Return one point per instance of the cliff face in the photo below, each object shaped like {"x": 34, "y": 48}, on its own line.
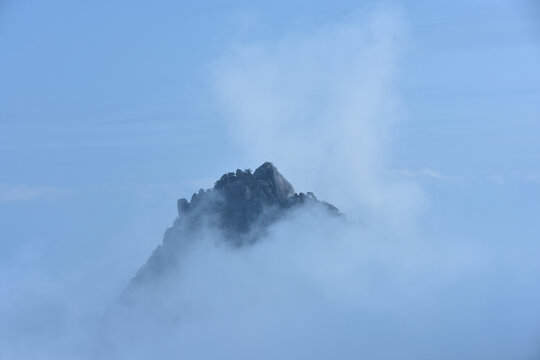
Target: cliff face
{"x": 238, "y": 209}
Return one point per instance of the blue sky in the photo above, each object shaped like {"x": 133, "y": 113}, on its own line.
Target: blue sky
{"x": 108, "y": 114}
{"x": 99, "y": 98}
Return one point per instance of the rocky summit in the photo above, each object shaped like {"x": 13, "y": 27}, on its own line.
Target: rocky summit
{"x": 238, "y": 210}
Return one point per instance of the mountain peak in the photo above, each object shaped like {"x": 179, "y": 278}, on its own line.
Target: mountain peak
{"x": 242, "y": 199}
{"x": 239, "y": 207}
{"x": 279, "y": 185}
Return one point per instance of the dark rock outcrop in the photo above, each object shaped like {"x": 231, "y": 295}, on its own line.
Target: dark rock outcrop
{"x": 239, "y": 208}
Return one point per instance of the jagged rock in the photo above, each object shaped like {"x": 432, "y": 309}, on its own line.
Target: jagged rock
{"x": 183, "y": 206}
{"x": 240, "y": 207}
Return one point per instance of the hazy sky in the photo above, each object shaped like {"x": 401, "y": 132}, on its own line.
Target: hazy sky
{"x": 108, "y": 109}
{"x": 111, "y": 110}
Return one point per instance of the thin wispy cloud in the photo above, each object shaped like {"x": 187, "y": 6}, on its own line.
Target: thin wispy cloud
{"x": 427, "y": 173}
{"x": 26, "y": 193}
{"x": 532, "y": 178}
{"x": 496, "y": 179}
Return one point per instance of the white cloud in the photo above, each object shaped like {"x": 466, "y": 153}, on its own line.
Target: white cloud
{"x": 318, "y": 288}
{"x": 25, "y": 193}
{"x": 322, "y": 107}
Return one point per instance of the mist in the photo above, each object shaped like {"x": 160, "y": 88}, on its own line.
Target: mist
{"x": 320, "y": 287}
{"x": 324, "y": 107}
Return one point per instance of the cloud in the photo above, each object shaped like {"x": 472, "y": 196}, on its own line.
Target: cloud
{"x": 24, "y": 193}
{"x": 322, "y": 106}
{"x": 532, "y": 178}
{"x": 428, "y": 173}
{"x": 316, "y": 287}
{"x": 496, "y": 179}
